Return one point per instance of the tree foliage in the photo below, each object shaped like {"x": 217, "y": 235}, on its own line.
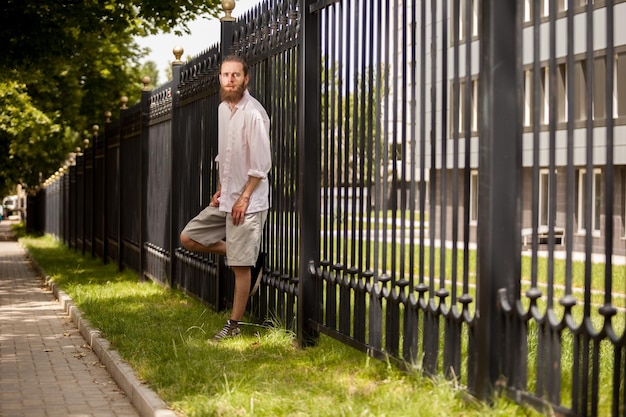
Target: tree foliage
{"x": 64, "y": 63}
{"x": 31, "y": 140}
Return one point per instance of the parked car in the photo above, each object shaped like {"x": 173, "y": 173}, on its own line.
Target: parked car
{"x": 13, "y": 208}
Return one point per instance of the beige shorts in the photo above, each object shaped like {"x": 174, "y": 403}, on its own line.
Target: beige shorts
{"x": 243, "y": 242}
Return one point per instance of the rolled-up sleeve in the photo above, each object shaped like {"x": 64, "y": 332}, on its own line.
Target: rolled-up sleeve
{"x": 260, "y": 151}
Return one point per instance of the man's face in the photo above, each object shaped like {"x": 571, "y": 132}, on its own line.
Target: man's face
{"x": 233, "y": 82}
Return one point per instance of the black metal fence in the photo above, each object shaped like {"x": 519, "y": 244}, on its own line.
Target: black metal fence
{"x": 432, "y": 201}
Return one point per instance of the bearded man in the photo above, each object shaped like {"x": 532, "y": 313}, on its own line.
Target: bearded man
{"x": 232, "y": 225}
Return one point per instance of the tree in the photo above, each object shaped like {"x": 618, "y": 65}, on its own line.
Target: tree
{"x": 69, "y": 61}
{"x": 54, "y": 29}
{"x": 30, "y": 139}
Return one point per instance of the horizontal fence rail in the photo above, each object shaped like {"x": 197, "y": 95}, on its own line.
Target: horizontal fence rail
{"x": 447, "y": 191}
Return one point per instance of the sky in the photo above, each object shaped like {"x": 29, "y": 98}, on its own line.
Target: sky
{"x": 205, "y": 32}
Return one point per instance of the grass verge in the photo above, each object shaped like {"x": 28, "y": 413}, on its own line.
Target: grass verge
{"x": 163, "y": 335}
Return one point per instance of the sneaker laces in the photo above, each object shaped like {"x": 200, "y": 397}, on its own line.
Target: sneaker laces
{"x": 231, "y": 329}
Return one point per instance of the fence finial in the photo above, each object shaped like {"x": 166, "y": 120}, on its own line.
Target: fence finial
{"x": 178, "y": 52}
{"x": 95, "y": 129}
{"x": 145, "y": 80}
{"x": 228, "y": 6}
{"x": 124, "y": 101}
{"x": 107, "y": 116}
{"x": 85, "y": 143}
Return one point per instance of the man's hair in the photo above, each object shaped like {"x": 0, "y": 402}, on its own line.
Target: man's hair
{"x": 237, "y": 58}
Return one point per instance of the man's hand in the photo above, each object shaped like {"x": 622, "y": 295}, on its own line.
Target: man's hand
{"x": 215, "y": 200}
{"x": 239, "y": 210}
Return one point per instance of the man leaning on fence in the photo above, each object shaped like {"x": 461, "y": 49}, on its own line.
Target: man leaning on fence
{"x": 232, "y": 224}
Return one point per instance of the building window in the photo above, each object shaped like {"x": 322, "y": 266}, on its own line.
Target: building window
{"x": 545, "y": 10}
{"x": 474, "y": 196}
{"x": 528, "y": 98}
{"x": 474, "y": 4}
{"x": 620, "y": 85}
{"x": 561, "y": 93}
{"x": 464, "y": 114}
{"x": 599, "y": 88}
{"x": 461, "y": 109}
{"x": 545, "y": 96}
{"x": 474, "y": 101}
{"x": 595, "y": 194}
{"x": 544, "y": 197}
{"x": 580, "y": 81}
{"x": 543, "y": 100}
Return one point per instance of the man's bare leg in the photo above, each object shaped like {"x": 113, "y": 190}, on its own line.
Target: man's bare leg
{"x": 242, "y": 274}
{"x": 218, "y": 248}
{"x": 242, "y": 291}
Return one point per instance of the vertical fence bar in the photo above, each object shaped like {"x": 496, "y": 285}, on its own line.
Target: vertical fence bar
{"x": 94, "y": 150}
{"x": 105, "y": 184}
{"x": 72, "y": 211}
{"x": 143, "y": 152}
{"x": 83, "y": 203}
{"x": 118, "y": 178}
{"x": 452, "y": 355}
{"x": 67, "y": 201}
{"x": 309, "y": 173}
{"x": 224, "y": 282}
{"x": 431, "y": 322}
{"x": 499, "y": 180}
{"x": 175, "y": 194}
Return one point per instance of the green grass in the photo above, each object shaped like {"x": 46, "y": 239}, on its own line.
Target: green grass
{"x": 163, "y": 335}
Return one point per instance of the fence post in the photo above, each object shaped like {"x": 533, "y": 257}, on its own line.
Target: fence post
{"x": 175, "y": 197}
{"x": 84, "y": 197}
{"x": 65, "y": 224}
{"x": 499, "y": 188}
{"x": 144, "y": 136}
{"x": 105, "y": 202}
{"x": 118, "y": 176}
{"x": 227, "y": 24}
{"x": 94, "y": 187}
{"x": 309, "y": 162}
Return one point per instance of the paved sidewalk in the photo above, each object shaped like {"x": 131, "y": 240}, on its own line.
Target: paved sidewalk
{"x": 46, "y": 366}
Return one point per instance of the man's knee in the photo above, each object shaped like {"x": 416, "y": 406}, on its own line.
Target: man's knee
{"x": 187, "y": 242}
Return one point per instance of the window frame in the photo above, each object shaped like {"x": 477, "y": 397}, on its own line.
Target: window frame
{"x": 596, "y": 206}
{"x": 473, "y": 209}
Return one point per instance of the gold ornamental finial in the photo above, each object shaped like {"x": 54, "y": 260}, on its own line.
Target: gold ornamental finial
{"x": 85, "y": 143}
{"x": 178, "y": 52}
{"x": 107, "y": 116}
{"x": 228, "y": 6}
{"x": 145, "y": 80}
{"x": 123, "y": 101}
{"x": 95, "y": 129}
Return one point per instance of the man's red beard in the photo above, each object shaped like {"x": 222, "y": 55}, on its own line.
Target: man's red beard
{"x": 234, "y": 95}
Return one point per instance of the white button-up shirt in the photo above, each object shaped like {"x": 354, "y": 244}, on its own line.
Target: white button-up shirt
{"x": 243, "y": 150}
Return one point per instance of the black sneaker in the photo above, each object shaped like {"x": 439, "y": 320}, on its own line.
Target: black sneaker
{"x": 231, "y": 329}
{"x": 257, "y": 273}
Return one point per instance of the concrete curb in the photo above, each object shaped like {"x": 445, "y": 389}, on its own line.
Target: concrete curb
{"x": 145, "y": 400}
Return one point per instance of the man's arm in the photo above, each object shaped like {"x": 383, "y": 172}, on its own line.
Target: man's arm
{"x": 215, "y": 202}
{"x": 241, "y": 205}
